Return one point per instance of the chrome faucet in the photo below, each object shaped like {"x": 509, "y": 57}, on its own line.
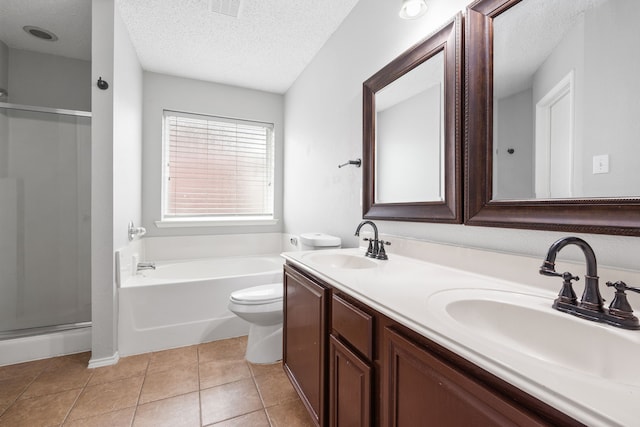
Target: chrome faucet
{"x": 146, "y": 266}
{"x": 376, "y": 246}
{"x": 591, "y": 303}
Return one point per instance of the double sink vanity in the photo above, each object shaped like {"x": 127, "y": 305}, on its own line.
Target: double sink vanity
{"x": 409, "y": 341}
{"x": 462, "y": 128}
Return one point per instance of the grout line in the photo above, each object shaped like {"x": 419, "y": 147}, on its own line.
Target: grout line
{"x": 21, "y": 393}
{"x": 64, "y": 420}
{"x": 264, "y": 406}
{"x": 199, "y": 385}
{"x": 144, "y": 378}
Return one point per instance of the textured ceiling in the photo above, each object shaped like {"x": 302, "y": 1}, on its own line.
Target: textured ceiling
{"x": 70, "y": 20}
{"x": 265, "y": 48}
{"x": 526, "y": 34}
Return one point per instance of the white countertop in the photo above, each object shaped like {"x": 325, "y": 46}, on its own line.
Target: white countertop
{"x": 407, "y": 290}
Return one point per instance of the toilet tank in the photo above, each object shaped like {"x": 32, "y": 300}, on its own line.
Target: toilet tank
{"x": 317, "y": 241}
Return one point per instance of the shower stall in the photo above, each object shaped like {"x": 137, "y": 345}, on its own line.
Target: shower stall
{"x": 45, "y": 225}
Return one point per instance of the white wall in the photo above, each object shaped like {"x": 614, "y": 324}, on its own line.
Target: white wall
{"x": 611, "y": 104}
{"x": 566, "y": 57}
{"x": 103, "y": 292}
{"x": 49, "y": 80}
{"x": 127, "y": 135}
{"x": 323, "y": 117}
{"x": 514, "y": 177}
{"x": 116, "y": 190}
{"x": 195, "y": 96}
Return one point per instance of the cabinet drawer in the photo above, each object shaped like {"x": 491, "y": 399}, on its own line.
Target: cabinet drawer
{"x": 353, "y": 325}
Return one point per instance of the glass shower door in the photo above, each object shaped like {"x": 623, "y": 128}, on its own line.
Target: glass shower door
{"x": 45, "y": 223}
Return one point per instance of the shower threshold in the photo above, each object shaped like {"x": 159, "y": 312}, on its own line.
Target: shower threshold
{"x": 42, "y": 330}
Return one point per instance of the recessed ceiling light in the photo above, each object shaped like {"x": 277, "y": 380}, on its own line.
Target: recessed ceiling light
{"x": 40, "y": 33}
{"x": 412, "y": 9}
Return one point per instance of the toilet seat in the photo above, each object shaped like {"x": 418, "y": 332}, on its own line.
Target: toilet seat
{"x": 263, "y": 294}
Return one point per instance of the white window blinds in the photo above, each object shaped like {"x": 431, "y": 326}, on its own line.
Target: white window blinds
{"x": 217, "y": 167}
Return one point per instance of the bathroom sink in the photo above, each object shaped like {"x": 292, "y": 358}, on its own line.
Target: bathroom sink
{"x": 528, "y": 325}
{"x": 345, "y": 261}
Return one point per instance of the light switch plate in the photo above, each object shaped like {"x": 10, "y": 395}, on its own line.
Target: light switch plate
{"x": 601, "y": 164}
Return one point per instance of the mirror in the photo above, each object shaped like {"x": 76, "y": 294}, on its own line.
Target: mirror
{"x": 551, "y": 115}
{"x": 550, "y": 105}
{"x": 409, "y": 138}
{"x": 411, "y": 133}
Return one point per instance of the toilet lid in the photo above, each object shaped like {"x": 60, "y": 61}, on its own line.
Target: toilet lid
{"x": 262, "y": 294}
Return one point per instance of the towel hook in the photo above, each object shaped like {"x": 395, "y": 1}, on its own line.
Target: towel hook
{"x": 356, "y": 162}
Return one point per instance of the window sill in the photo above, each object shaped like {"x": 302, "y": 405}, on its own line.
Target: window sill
{"x": 214, "y": 222}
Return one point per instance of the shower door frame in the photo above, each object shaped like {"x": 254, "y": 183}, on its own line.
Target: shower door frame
{"x": 40, "y": 330}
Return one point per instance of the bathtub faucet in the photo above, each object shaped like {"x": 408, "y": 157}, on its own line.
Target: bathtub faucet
{"x": 146, "y": 266}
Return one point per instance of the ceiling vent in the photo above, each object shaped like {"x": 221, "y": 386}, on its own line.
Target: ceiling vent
{"x": 225, "y": 7}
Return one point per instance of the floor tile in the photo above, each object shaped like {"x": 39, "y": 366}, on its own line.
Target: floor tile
{"x": 271, "y": 368}
{"x": 78, "y": 361}
{"x": 120, "y": 418}
{"x": 11, "y": 389}
{"x": 229, "y": 401}
{"x": 209, "y": 384}
{"x": 24, "y": 370}
{"x": 58, "y": 378}
{"x": 275, "y": 388}
{"x": 107, "y": 397}
{"x": 222, "y": 372}
{"x": 168, "y": 359}
{"x": 173, "y": 382}
{"x": 179, "y": 411}
{"x": 39, "y": 411}
{"x": 126, "y": 367}
{"x": 289, "y": 414}
{"x": 254, "y": 419}
{"x": 230, "y": 349}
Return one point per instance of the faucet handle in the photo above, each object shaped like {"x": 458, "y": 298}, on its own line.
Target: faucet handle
{"x": 382, "y": 254}
{"x": 620, "y": 306}
{"x": 621, "y": 286}
{"x": 370, "y": 248}
{"x": 566, "y": 294}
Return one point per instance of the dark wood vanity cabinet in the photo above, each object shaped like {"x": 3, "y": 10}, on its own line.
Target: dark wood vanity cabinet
{"x": 304, "y": 357}
{"x": 420, "y": 389}
{"x": 353, "y": 366}
{"x": 350, "y": 365}
{"x": 349, "y": 387}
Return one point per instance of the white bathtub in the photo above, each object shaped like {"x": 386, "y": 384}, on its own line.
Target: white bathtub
{"x": 185, "y": 302}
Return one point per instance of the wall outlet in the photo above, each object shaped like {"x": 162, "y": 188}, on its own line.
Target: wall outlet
{"x": 601, "y": 164}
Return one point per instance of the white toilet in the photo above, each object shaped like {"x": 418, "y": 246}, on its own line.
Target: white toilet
{"x": 262, "y": 307}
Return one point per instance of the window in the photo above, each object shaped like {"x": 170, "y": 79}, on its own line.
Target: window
{"x": 217, "y": 168}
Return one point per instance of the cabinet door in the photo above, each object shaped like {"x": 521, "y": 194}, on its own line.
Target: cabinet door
{"x": 349, "y": 387}
{"x": 421, "y": 390}
{"x": 305, "y": 340}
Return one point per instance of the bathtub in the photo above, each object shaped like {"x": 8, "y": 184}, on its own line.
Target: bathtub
{"x": 185, "y": 302}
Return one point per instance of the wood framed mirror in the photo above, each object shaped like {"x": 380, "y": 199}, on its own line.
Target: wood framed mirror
{"x": 532, "y": 65}
{"x": 412, "y": 138}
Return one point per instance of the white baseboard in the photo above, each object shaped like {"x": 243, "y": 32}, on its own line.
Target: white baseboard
{"x": 104, "y": 361}
{"x": 44, "y": 346}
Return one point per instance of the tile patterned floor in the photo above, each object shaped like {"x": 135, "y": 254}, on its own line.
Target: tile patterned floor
{"x": 203, "y": 385}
